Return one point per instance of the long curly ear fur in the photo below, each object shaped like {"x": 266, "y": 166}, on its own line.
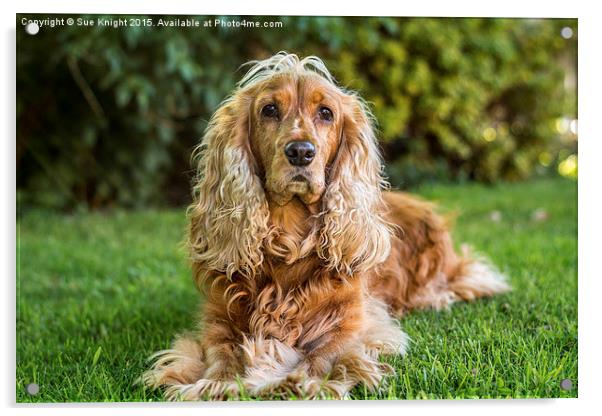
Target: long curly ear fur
{"x": 229, "y": 215}
{"x": 354, "y": 236}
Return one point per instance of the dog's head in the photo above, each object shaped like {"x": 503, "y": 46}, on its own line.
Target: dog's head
{"x": 296, "y": 124}
{"x": 288, "y": 131}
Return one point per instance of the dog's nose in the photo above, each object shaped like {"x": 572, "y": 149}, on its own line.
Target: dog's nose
{"x": 300, "y": 153}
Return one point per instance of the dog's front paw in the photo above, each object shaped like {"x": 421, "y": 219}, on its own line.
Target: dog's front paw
{"x": 302, "y": 381}
{"x": 204, "y": 389}
{"x": 301, "y": 385}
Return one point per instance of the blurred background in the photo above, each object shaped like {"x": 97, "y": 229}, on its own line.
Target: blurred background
{"x": 108, "y": 117}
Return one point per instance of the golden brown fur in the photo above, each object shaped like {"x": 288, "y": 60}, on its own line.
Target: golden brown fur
{"x": 300, "y": 266}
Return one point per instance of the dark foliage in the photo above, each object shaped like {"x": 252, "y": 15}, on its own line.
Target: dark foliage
{"x": 109, "y": 116}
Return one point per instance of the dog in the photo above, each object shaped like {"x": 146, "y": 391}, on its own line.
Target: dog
{"x": 304, "y": 259}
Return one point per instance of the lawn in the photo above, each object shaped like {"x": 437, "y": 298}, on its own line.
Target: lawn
{"x": 98, "y": 293}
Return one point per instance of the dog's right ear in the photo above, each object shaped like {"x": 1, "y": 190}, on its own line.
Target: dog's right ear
{"x": 229, "y": 215}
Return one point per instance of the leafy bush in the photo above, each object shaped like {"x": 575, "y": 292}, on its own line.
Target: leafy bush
{"x": 109, "y": 116}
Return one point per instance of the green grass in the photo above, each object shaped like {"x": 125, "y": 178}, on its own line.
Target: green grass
{"x": 97, "y": 293}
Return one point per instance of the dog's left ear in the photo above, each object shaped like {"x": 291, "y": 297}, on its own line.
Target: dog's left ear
{"x": 354, "y": 236}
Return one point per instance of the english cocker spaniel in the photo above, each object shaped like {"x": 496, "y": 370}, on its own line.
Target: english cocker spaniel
{"x": 304, "y": 260}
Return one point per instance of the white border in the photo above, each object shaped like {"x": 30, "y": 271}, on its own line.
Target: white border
{"x": 590, "y": 207}
{"x": 458, "y": 8}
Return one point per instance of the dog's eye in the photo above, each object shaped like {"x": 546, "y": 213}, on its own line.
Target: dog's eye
{"x": 270, "y": 111}
{"x": 325, "y": 113}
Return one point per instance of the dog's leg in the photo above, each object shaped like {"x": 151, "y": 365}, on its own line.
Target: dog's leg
{"x": 268, "y": 363}
{"x": 324, "y": 373}
{"x": 475, "y": 277}
{"x": 280, "y": 367}
{"x": 461, "y": 278}
{"x": 424, "y": 270}
{"x": 343, "y": 351}
{"x": 381, "y": 335}
{"x": 223, "y": 356}
{"x": 180, "y": 365}
{"x": 194, "y": 370}
{"x": 303, "y": 375}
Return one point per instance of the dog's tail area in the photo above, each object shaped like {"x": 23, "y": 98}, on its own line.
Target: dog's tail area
{"x": 475, "y": 277}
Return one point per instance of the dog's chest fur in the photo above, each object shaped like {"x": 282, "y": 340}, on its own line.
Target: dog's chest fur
{"x": 296, "y": 300}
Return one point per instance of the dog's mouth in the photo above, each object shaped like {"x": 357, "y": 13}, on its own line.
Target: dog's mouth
{"x": 299, "y": 178}
{"x": 298, "y": 185}
{"x": 301, "y": 185}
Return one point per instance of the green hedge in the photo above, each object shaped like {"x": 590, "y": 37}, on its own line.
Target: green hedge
{"x": 109, "y": 116}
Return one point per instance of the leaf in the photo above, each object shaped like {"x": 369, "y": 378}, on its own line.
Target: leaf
{"x": 96, "y": 356}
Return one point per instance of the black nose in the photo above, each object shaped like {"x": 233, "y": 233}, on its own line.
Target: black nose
{"x": 300, "y": 153}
